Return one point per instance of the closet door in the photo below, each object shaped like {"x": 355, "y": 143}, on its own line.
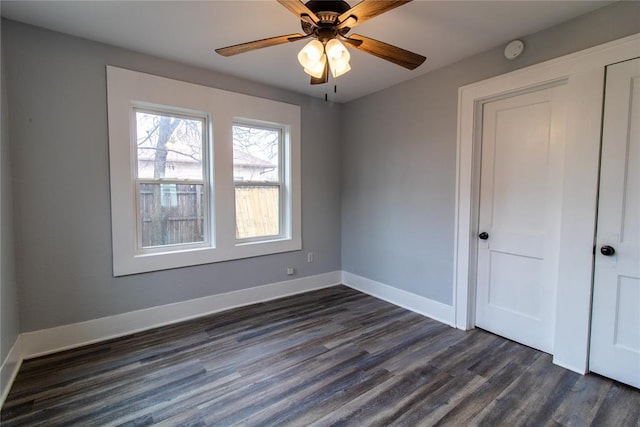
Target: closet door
{"x": 522, "y": 162}
{"x": 615, "y": 324}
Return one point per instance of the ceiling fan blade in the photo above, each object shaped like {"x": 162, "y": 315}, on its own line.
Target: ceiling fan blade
{"x": 258, "y": 44}
{"x": 322, "y": 79}
{"x": 366, "y": 10}
{"x": 391, "y": 53}
{"x": 300, "y": 10}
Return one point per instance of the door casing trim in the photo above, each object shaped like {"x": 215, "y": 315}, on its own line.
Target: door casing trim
{"x": 583, "y": 72}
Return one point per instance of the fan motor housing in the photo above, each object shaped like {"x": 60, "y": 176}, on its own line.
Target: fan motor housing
{"x": 327, "y": 12}
{"x": 335, "y": 6}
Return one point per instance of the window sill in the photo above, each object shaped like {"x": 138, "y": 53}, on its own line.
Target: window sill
{"x": 148, "y": 262}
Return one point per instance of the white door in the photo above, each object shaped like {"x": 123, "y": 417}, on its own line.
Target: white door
{"x": 615, "y": 322}
{"x": 520, "y": 204}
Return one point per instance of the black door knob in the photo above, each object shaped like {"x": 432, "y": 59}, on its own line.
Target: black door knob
{"x": 607, "y": 250}
{"x": 484, "y": 235}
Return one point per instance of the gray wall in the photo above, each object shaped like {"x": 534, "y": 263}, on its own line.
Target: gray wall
{"x": 9, "y": 325}
{"x": 59, "y": 142}
{"x": 393, "y": 204}
{"x": 399, "y": 161}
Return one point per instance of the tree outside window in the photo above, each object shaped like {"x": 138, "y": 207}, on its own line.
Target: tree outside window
{"x": 172, "y": 202}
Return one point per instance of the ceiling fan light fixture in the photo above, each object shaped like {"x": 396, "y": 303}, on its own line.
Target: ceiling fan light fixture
{"x": 339, "y": 70}
{"x": 336, "y": 50}
{"x": 316, "y": 69}
{"x": 326, "y": 21}
{"x": 311, "y": 55}
{"x": 338, "y": 57}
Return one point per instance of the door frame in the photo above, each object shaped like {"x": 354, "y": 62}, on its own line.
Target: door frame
{"x": 548, "y": 319}
{"x": 583, "y": 72}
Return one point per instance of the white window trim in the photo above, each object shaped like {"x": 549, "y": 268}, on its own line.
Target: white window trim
{"x": 128, "y": 89}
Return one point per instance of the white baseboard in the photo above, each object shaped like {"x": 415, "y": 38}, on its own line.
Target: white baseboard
{"x": 9, "y": 369}
{"x": 46, "y": 341}
{"x": 416, "y": 303}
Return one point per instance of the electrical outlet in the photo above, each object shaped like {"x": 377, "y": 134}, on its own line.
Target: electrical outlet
{"x": 291, "y": 271}
{"x": 310, "y": 257}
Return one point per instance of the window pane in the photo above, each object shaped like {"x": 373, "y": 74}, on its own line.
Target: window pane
{"x": 257, "y": 211}
{"x": 255, "y": 154}
{"x": 171, "y": 214}
{"x": 169, "y": 146}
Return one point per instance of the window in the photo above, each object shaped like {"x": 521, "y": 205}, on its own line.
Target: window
{"x": 257, "y": 174}
{"x": 199, "y": 175}
{"x": 172, "y": 195}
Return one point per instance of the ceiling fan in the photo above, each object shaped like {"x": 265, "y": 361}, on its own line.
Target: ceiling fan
{"x": 328, "y": 22}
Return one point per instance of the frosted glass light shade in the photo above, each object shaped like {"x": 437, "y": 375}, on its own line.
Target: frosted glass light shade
{"x": 338, "y": 57}
{"x": 317, "y": 69}
{"x": 339, "y": 68}
{"x": 312, "y": 58}
{"x": 336, "y": 50}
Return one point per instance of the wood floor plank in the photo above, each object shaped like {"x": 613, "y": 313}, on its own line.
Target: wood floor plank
{"x": 274, "y": 388}
{"x": 303, "y": 410}
{"x": 621, "y": 407}
{"x": 329, "y": 357}
{"x": 580, "y": 405}
{"x": 368, "y": 405}
{"x": 532, "y": 397}
{"x": 503, "y": 354}
{"x": 431, "y": 407}
{"x": 475, "y": 401}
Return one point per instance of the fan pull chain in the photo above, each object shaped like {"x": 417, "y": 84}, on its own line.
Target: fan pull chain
{"x": 335, "y": 90}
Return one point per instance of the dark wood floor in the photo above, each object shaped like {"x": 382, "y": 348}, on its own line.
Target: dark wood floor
{"x": 331, "y": 357}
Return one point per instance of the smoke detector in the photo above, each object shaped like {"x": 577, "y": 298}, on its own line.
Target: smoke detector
{"x": 513, "y": 49}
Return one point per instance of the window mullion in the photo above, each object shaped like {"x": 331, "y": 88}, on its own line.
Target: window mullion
{"x": 257, "y": 184}
{"x": 170, "y": 181}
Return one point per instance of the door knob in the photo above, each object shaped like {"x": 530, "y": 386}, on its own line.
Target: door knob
{"x": 607, "y": 250}
{"x": 483, "y": 236}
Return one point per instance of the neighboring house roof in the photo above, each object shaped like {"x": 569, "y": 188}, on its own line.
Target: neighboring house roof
{"x": 241, "y": 158}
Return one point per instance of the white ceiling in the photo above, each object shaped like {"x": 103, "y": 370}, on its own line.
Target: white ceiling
{"x": 189, "y": 31}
